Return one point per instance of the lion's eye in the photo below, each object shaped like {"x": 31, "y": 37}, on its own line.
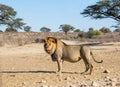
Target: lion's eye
{"x": 53, "y": 41}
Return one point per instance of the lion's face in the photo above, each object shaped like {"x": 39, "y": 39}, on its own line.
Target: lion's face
{"x": 50, "y": 45}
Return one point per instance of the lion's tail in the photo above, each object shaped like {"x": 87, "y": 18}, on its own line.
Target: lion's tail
{"x": 95, "y": 59}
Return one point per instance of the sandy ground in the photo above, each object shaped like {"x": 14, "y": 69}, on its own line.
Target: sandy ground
{"x": 30, "y": 66}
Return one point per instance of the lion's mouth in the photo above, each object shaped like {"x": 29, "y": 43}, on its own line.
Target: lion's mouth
{"x": 48, "y": 51}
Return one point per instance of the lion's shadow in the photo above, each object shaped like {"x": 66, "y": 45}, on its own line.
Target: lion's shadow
{"x": 39, "y": 71}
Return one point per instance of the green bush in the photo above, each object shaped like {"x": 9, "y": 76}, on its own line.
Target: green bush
{"x": 98, "y": 32}
{"x": 10, "y": 30}
{"x": 1, "y": 31}
{"x": 105, "y": 30}
{"x": 93, "y": 33}
{"x": 82, "y": 35}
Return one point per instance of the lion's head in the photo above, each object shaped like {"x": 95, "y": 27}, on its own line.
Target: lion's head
{"x": 50, "y": 45}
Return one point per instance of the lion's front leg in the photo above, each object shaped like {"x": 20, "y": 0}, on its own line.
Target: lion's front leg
{"x": 59, "y": 62}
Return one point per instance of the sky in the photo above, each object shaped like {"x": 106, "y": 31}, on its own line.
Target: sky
{"x": 53, "y": 13}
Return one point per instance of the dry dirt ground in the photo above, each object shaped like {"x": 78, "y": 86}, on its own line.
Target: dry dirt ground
{"x": 30, "y": 66}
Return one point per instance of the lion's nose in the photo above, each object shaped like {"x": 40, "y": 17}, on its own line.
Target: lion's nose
{"x": 47, "y": 45}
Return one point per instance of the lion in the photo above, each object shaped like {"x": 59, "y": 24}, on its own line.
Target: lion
{"x": 60, "y": 52}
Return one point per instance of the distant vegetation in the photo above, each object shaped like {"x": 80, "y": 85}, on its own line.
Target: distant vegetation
{"x": 104, "y": 9}
{"x": 66, "y": 28}
{"x": 8, "y": 18}
{"x": 100, "y": 10}
{"x": 45, "y": 29}
{"x": 23, "y": 38}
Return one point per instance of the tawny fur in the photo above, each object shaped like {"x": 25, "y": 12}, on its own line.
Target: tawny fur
{"x": 60, "y": 52}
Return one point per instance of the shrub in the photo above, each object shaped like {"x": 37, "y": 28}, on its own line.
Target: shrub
{"x": 98, "y": 32}
{"x": 10, "y": 30}
{"x": 82, "y": 35}
{"x": 90, "y": 34}
{"x": 1, "y": 31}
{"x": 105, "y": 30}
{"x": 93, "y": 33}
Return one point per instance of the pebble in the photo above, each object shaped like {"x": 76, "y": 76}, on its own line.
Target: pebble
{"x": 67, "y": 78}
{"x": 118, "y": 84}
{"x": 44, "y": 86}
{"x": 114, "y": 80}
{"x": 72, "y": 86}
{"x": 94, "y": 84}
{"x": 43, "y": 81}
{"x": 107, "y": 77}
{"x": 106, "y": 71}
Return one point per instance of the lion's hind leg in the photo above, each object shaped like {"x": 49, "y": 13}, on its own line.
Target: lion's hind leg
{"x": 88, "y": 67}
{"x": 85, "y": 54}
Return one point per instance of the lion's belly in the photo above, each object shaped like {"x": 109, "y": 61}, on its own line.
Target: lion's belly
{"x": 71, "y": 53}
{"x": 72, "y": 56}
{"x": 72, "y": 60}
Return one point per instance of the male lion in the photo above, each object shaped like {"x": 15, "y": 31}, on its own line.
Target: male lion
{"x": 60, "y": 52}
